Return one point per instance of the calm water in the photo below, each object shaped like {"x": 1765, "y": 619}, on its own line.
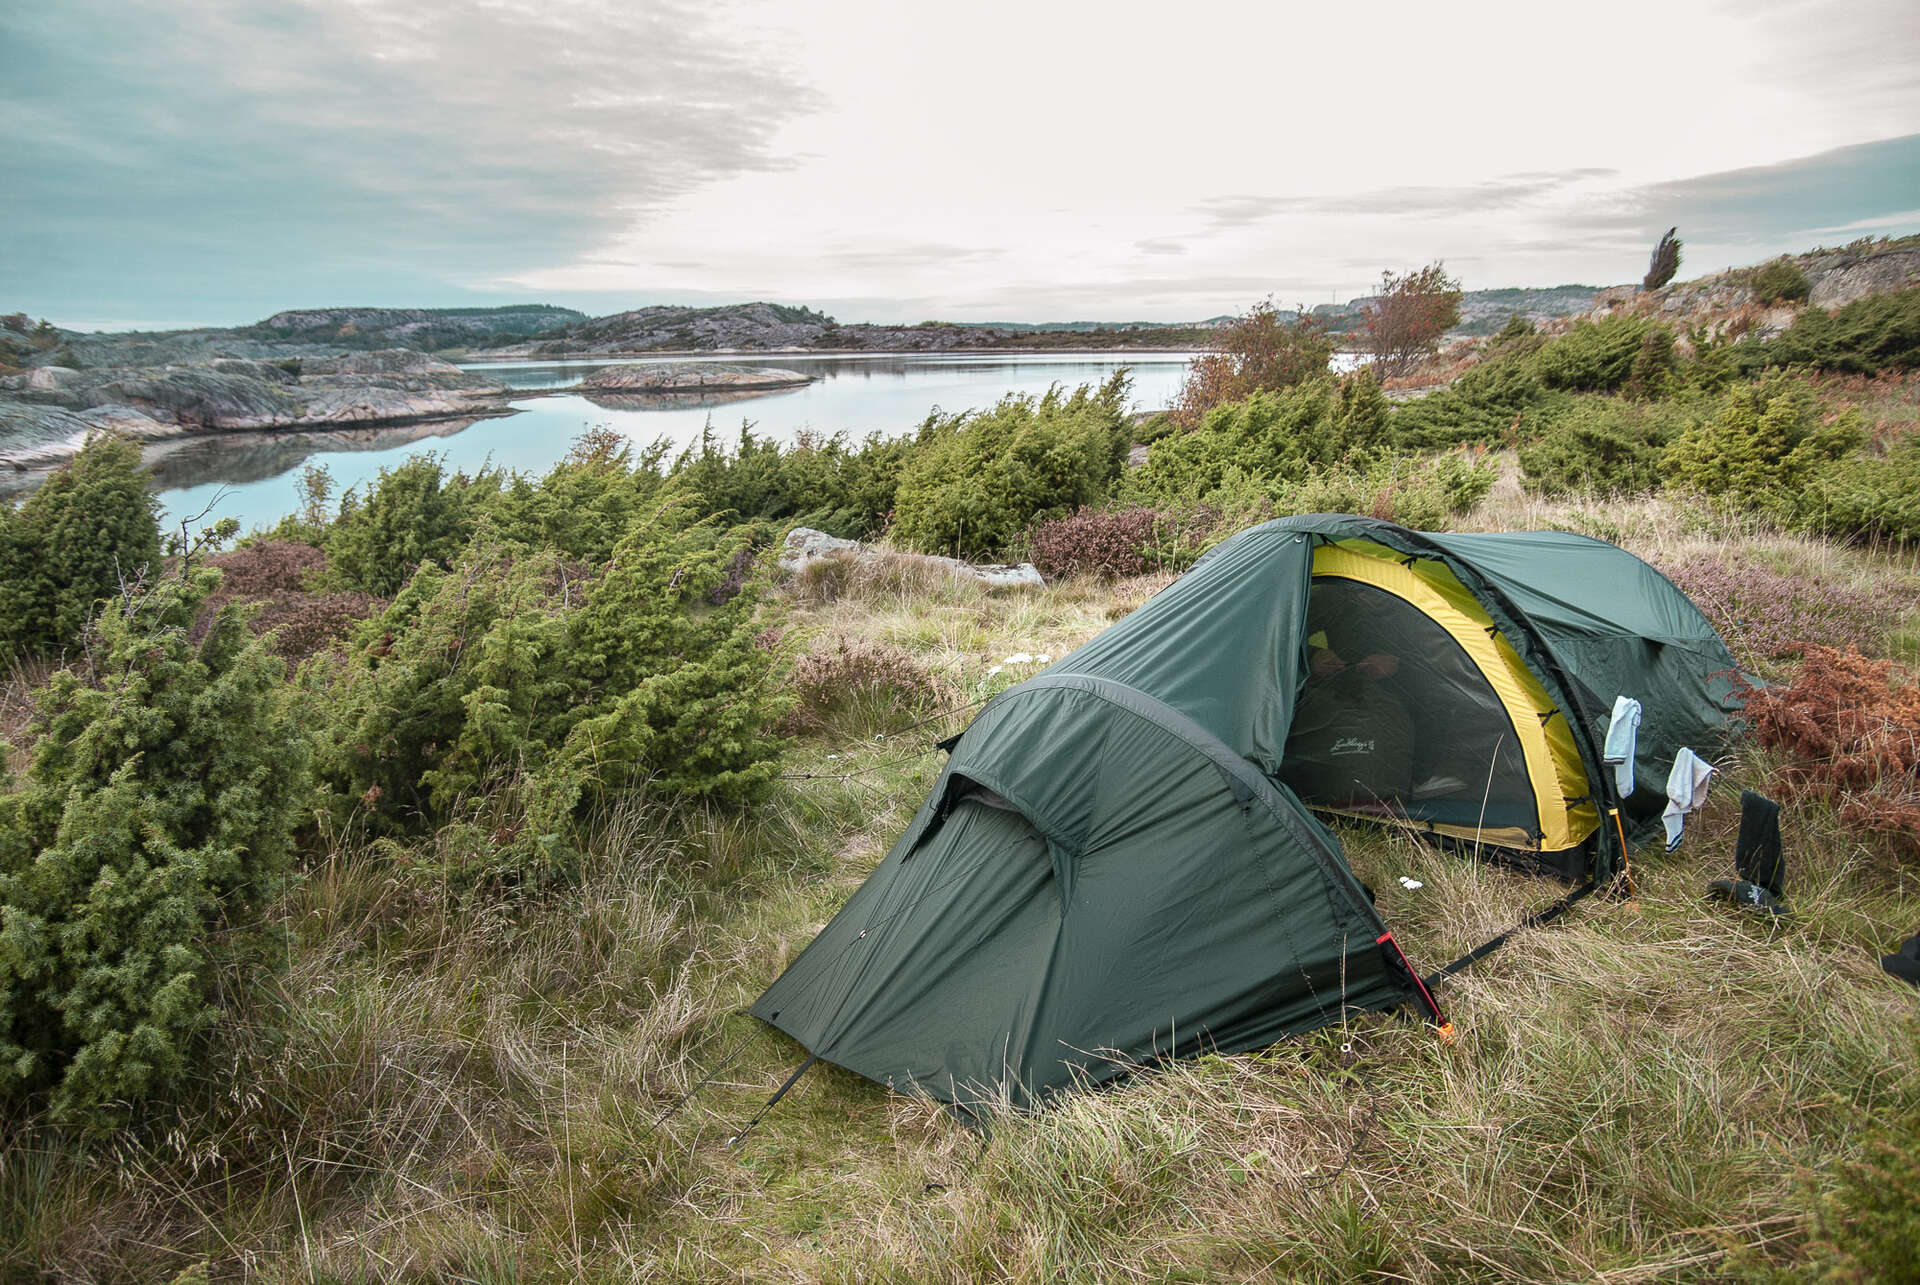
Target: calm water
{"x": 253, "y": 476}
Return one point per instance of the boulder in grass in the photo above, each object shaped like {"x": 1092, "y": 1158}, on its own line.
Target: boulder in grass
{"x": 806, "y": 546}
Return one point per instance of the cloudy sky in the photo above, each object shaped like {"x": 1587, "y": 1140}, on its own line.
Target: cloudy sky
{"x": 212, "y": 161}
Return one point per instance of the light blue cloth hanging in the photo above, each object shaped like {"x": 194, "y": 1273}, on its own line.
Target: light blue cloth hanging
{"x": 1623, "y": 737}
{"x": 1686, "y": 792}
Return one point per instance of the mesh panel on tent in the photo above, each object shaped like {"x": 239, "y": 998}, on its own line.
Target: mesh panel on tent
{"x": 1415, "y": 710}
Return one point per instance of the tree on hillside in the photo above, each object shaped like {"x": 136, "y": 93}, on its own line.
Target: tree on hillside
{"x": 1405, "y": 322}
{"x": 1664, "y": 263}
{"x": 1259, "y": 349}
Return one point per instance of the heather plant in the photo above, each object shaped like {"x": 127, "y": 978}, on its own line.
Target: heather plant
{"x": 1768, "y": 440}
{"x": 854, "y": 689}
{"x": 1764, "y": 613}
{"x": 1104, "y": 543}
{"x": 978, "y": 481}
{"x": 86, "y": 534}
{"x": 156, "y": 818}
{"x": 278, "y": 574}
{"x": 1847, "y": 730}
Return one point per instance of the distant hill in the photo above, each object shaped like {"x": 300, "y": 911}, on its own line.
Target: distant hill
{"x": 1482, "y": 312}
{"x": 312, "y": 332}
{"x": 772, "y": 327}
{"x": 422, "y": 329}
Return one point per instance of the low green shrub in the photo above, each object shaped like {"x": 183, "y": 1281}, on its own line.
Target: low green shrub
{"x": 1597, "y": 446}
{"x": 1483, "y": 406}
{"x": 977, "y": 482}
{"x": 1268, "y": 438}
{"x": 828, "y": 483}
{"x": 1600, "y": 356}
{"x": 1425, "y": 493}
{"x": 157, "y": 816}
{"x": 1767, "y": 441}
{"x": 1866, "y": 496}
{"x": 511, "y": 693}
{"x": 1780, "y": 281}
{"x": 411, "y": 514}
{"x": 86, "y": 534}
{"x": 1872, "y": 334}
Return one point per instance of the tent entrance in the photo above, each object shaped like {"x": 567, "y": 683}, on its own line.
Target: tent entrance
{"x": 1416, "y": 711}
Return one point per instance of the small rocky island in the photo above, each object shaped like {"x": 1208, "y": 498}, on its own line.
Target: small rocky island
{"x": 690, "y": 377}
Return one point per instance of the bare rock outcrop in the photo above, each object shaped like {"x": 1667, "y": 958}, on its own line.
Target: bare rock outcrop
{"x": 46, "y": 413}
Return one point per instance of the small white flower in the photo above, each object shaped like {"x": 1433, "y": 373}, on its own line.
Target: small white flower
{"x": 992, "y": 670}
{"x": 1019, "y": 658}
{"x": 1043, "y": 659}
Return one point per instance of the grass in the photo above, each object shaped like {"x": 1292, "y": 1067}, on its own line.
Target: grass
{"x": 428, "y": 1088}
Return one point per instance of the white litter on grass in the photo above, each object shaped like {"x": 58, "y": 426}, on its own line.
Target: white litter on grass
{"x": 992, "y": 670}
{"x": 1018, "y": 658}
{"x": 1410, "y": 884}
{"x": 1043, "y": 659}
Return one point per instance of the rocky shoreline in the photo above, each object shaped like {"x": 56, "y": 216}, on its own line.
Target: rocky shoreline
{"x": 47, "y": 413}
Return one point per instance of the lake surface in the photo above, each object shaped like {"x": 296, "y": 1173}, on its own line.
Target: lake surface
{"x": 254, "y": 476}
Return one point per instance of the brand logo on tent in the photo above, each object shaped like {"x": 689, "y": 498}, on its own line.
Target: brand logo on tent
{"x": 1351, "y": 745}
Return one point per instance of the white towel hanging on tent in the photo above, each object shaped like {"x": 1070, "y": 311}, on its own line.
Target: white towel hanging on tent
{"x": 1686, "y": 792}
{"x": 1623, "y": 739}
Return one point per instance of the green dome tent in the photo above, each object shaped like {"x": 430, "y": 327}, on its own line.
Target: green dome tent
{"x": 1121, "y": 862}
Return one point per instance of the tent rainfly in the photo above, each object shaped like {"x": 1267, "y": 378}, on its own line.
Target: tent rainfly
{"x": 1121, "y": 861}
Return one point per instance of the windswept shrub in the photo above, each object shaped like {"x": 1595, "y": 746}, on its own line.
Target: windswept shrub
{"x": 1108, "y": 543}
{"x": 856, "y": 688}
{"x": 1270, "y": 438}
{"x": 505, "y": 693}
{"x": 1597, "y": 446}
{"x": 89, "y": 532}
{"x": 1848, "y": 729}
{"x": 1866, "y": 496}
{"x": 1768, "y": 441}
{"x": 1876, "y": 333}
{"x": 978, "y": 481}
{"x": 412, "y": 514}
{"x": 1598, "y": 356}
{"x": 586, "y": 502}
{"x": 1780, "y": 281}
{"x": 1426, "y": 494}
{"x": 1482, "y": 406}
{"x": 828, "y": 483}
{"x": 157, "y": 811}
{"x": 1764, "y": 614}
